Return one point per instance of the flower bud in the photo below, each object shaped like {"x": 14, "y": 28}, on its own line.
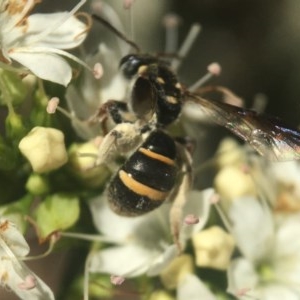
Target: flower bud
{"x": 176, "y": 270}
{"x": 213, "y": 248}
{"x": 230, "y": 153}
{"x": 232, "y": 182}
{"x": 15, "y": 127}
{"x": 161, "y": 295}
{"x": 37, "y": 185}
{"x": 44, "y": 148}
{"x": 82, "y": 165}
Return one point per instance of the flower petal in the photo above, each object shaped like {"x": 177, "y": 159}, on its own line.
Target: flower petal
{"x": 23, "y": 282}
{"x": 277, "y": 292}
{"x": 162, "y": 260}
{"x": 125, "y": 261}
{"x": 192, "y": 288}
{"x": 252, "y": 227}
{"x": 13, "y": 239}
{"x": 198, "y": 204}
{"x": 54, "y": 30}
{"x": 287, "y": 231}
{"x": 287, "y": 251}
{"x": 47, "y": 66}
{"x": 241, "y": 275}
{"x": 145, "y": 230}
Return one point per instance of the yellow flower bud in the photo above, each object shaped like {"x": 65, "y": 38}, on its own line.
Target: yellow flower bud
{"x": 81, "y": 156}
{"x": 213, "y": 248}
{"x": 177, "y": 270}
{"x": 160, "y": 295}
{"x": 82, "y": 164}
{"x": 230, "y": 153}
{"x": 44, "y": 148}
{"x": 231, "y": 182}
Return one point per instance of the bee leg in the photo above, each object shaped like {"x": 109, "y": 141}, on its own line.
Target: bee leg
{"x": 124, "y": 137}
{"x": 111, "y": 108}
{"x": 179, "y": 197}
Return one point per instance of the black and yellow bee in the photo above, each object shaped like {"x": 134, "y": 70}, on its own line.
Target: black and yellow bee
{"x": 154, "y": 170}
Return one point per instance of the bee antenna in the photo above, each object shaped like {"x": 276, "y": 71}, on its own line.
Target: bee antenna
{"x": 116, "y": 32}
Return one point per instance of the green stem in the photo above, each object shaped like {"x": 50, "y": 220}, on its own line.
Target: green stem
{"x": 6, "y": 97}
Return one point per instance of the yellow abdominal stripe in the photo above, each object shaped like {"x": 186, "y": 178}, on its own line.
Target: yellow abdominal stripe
{"x": 157, "y": 156}
{"x": 140, "y": 188}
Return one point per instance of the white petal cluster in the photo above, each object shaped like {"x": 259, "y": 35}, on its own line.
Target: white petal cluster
{"x": 270, "y": 265}
{"x": 14, "y": 274}
{"x": 146, "y": 238}
{"x": 34, "y": 43}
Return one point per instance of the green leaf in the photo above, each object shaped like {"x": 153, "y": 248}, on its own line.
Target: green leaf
{"x": 15, "y": 87}
{"x": 57, "y": 212}
{"x": 17, "y": 210}
{"x": 8, "y": 156}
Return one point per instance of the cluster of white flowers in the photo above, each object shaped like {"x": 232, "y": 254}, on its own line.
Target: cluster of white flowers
{"x": 256, "y": 245}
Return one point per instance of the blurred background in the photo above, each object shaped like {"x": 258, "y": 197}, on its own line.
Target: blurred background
{"x": 256, "y": 42}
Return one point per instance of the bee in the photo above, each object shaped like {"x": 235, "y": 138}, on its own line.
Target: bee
{"x": 159, "y": 167}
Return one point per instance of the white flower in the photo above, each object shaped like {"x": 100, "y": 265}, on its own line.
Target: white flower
{"x": 34, "y": 43}
{"x": 86, "y": 96}
{"x": 179, "y": 274}
{"x": 213, "y": 248}
{"x": 270, "y": 266}
{"x": 192, "y": 288}
{"x": 44, "y": 148}
{"x": 287, "y": 182}
{"x": 13, "y": 272}
{"x": 147, "y": 238}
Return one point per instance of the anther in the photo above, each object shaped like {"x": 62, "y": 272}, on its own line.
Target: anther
{"x": 116, "y": 280}
{"x": 52, "y": 105}
{"x": 98, "y": 70}
{"x": 171, "y": 22}
{"x": 214, "y": 69}
{"x": 191, "y": 220}
{"x": 187, "y": 45}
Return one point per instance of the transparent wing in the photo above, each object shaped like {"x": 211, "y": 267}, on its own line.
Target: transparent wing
{"x": 268, "y": 135}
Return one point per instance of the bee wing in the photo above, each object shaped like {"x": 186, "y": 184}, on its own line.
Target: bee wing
{"x": 268, "y": 135}
{"x": 144, "y": 97}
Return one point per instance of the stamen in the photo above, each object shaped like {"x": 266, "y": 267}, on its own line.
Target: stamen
{"x": 54, "y": 237}
{"x": 98, "y": 71}
{"x": 191, "y": 220}
{"x": 186, "y": 46}
{"x": 116, "y": 280}
{"x": 86, "y": 277}
{"x": 215, "y": 199}
{"x": 230, "y": 97}
{"x": 52, "y": 108}
{"x": 87, "y": 237}
{"x": 128, "y": 4}
{"x": 171, "y": 23}
{"x": 55, "y": 51}
{"x": 214, "y": 69}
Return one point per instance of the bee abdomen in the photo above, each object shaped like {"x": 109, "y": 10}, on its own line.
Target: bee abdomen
{"x": 146, "y": 178}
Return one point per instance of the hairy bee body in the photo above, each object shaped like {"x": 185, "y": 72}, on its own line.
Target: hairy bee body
{"x": 146, "y": 178}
